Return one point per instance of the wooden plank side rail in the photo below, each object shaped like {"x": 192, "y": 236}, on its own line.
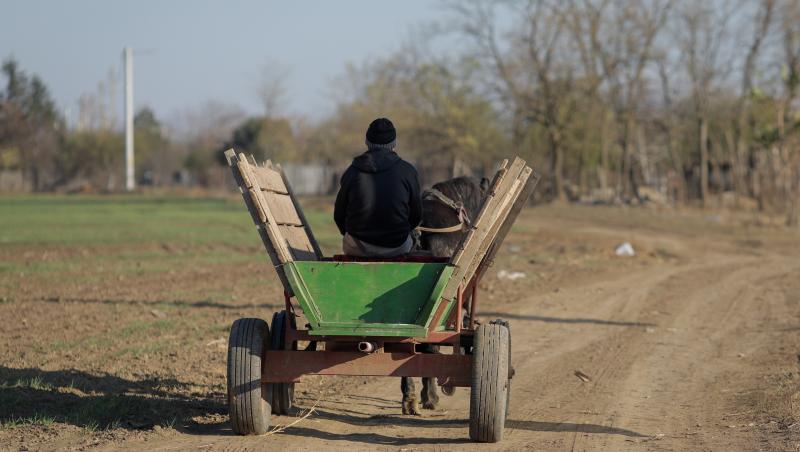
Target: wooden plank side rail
{"x": 500, "y": 235}
{"x": 275, "y": 211}
{"x": 507, "y": 187}
{"x": 306, "y": 225}
{"x": 497, "y": 222}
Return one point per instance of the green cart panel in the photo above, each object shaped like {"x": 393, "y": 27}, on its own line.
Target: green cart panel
{"x": 368, "y": 298}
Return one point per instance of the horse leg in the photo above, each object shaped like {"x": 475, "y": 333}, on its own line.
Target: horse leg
{"x": 429, "y": 395}
{"x": 465, "y": 312}
{"x": 410, "y": 405}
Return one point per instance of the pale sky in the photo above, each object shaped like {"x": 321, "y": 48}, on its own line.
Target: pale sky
{"x": 191, "y": 51}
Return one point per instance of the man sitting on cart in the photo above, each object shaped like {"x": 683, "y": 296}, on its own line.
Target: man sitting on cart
{"x": 379, "y": 202}
{"x": 378, "y": 206}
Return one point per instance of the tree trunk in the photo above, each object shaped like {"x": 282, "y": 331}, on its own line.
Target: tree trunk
{"x": 558, "y": 173}
{"x": 758, "y": 192}
{"x": 677, "y": 167}
{"x": 580, "y": 174}
{"x": 556, "y": 164}
{"x": 644, "y": 161}
{"x": 602, "y": 173}
{"x": 716, "y": 173}
{"x": 631, "y": 187}
{"x": 704, "y": 160}
{"x": 736, "y": 146}
{"x": 793, "y": 205}
{"x": 624, "y": 181}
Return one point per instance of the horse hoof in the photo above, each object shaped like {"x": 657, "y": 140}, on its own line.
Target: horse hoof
{"x": 429, "y": 405}
{"x": 411, "y": 407}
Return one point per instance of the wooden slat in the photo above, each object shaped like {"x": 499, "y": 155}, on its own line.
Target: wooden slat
{"x": 269, "y": 179}
{"x": 271, "y": 224}
{"x": 312, "y": 240}
{"x": 230, "y": 154}
{"x": 262, "y": 212}
{"x": 521, "y": 201}
{"x": 281, "y": 222}
{"x": 472, "y": 234}
{"x": 499, "y": 189}
{"x": 251, "y": 193}
{"x": 470, "y": 262}
{"x": 273, "y": 257}
{"x": 244, "y": 174}
{"x": 499, "y": 222}
{"x": 298, "y": 242}
{"x": 282, "y": 208}
{"x": 503, "y": 193}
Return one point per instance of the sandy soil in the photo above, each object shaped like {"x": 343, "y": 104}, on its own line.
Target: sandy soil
{"x": 690, "y": 345}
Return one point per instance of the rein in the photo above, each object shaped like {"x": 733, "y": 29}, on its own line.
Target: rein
{"x": 463, "y": 219}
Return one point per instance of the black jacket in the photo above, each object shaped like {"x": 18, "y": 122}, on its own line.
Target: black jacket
{"x": 379, "y": 199}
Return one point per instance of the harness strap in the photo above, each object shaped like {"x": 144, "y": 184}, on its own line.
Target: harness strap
{"x": 463, "y": 218}
{"x": 444, "y": 199}
{"x": 455, "y": 228}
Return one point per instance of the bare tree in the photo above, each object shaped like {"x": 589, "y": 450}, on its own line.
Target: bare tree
{"x": 585, "y": 23}
{"x": 534, "y": 76}
{"x": 617, "y": 42}
{"x": 788, "y": 145}
{"x": 701, "y": 31}
{"x": 668, "y": 124}
{"x": 762, "y": 19}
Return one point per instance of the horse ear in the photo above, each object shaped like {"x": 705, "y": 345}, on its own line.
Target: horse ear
{"x": 484, "y": 184}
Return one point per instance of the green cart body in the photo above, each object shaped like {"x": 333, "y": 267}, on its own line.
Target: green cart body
{"x": 397, "y": 299}
{"x": 367, "y": 317}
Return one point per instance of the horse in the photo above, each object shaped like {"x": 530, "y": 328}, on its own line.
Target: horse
{"x": 447, "y": 209}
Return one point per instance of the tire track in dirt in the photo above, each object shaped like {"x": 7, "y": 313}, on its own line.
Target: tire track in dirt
{"x": 665, "y": 377}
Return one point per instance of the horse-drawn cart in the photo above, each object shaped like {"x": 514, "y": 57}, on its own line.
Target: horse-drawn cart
{"x": 366, "y": 317}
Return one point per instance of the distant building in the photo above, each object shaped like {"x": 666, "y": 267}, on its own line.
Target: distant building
{"x": 312, "y": 178}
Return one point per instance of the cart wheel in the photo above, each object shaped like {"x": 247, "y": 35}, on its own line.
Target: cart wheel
{"x": 489, "y": 396}
{"x": 282, "y": 393}
{"x": 448, "y": 390}
{"x": 248, "y": 398}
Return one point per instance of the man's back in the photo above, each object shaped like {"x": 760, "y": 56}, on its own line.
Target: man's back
{"x": 379, "y": 199}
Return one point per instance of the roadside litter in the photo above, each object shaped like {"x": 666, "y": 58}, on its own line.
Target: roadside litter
{"x": 625, "y": 249}
{"x": 511, "y": 276}
{"x": 158, "y": 314}
{"x": 582, "y": 376}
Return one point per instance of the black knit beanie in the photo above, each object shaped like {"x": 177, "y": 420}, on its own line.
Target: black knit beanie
{"x": 381, "y": 132}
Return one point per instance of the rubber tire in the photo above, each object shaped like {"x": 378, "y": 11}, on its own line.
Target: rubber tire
{"x": 489, "y": 393}
{"x": 248, "y": 399}
{"x": 282, "y": 393}
{"x": 510, "y": 367}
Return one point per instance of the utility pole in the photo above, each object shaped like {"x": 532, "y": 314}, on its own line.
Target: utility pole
{"x": 130, "y": 181}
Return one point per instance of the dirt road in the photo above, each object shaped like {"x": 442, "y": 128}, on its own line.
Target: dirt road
{"x": 687, "y": 349}
{"x": 690, "y": 345}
